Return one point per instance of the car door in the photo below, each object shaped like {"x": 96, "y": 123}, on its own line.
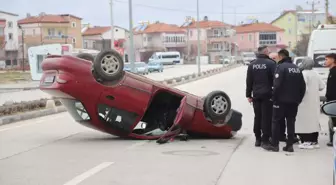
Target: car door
{"x": 185, "y": 113}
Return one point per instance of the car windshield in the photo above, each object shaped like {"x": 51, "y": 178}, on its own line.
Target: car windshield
{"x": 249, "y": 55}
{"x": 140, "y": 64}
{"x": 153, "y": 63}
{"x": 319, "y": 60}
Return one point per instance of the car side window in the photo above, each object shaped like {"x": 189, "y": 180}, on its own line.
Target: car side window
{"x": 117, "y": 119}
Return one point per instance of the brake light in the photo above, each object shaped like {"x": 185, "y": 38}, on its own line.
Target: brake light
{"x": 333, "y": 49}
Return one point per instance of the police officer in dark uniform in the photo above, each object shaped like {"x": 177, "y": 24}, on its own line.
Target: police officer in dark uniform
{"x": 259, "y": 83}
{"x": 289, "y": 88}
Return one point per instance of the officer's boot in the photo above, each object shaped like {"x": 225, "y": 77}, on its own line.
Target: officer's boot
{"x": 288, "y": 148}
{"x": 258, "y": 142}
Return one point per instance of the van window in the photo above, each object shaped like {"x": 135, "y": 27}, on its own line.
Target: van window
{"x": 319, "y": 60}
{"x": 170, "y": 56}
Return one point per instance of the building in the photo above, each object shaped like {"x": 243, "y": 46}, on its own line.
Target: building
{"x": 51, "y": 29}
{"x": 9, "y": 45}
{"x": 150, "y": 38}
{"x": 298, "y": 22}
{"x": 215, "y": 38}
{"x": 250, "y": 36}
{"x": 99, "y": 37}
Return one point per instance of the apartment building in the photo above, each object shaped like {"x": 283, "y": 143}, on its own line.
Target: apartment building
{"x": 9, "y": 45}
{"x": 215, "y": 37}
{"x": 150, "y": 38}
{"x": 99, "y": 37}
{"x": 298, "y": 22}
{"x": 250, "y": 36}
{"x": 51, "y": 29}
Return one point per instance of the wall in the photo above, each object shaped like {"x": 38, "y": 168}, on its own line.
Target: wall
{"x": 119, "y": 33}
{"x": 247, "y": 41}
{"x": 288, "y": 23}
{"x": 75, "y": 31}
{"x": 12, "y": 44}
{"x": 193, "y": 34}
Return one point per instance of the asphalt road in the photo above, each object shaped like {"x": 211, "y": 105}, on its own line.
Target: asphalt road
{"x": 28, "y": 95}
{"x": 54, "y": 150}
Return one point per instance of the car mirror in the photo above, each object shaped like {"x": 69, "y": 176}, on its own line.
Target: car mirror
{"x": 329, "y": 109}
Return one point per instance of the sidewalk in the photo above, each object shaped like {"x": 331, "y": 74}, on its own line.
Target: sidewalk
{"x": 254, "y": 166}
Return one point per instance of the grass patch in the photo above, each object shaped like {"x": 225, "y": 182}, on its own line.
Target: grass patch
{"x": 12, "y": 76}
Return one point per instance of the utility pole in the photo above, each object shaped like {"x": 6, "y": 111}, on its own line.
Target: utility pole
{"x": 188, "y": 19}
{"x": 313, "y": 3}
{"x": 198, "y": 40}
{"x": 131, "y": 45}
{"x": 223, "y": 34}
{"x": 327, "y": 11}
{"x": 112, "y": 24}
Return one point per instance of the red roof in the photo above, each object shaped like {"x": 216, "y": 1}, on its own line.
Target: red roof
{"x": 162, "y": 28}
{"x": 47, "y": 18}
{"x": 257, "y": 27}
{"x": 207, "y": 24}
{"x": 96, "y": 30}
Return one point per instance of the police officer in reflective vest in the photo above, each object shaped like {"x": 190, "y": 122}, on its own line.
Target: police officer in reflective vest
{"x": 289, "y": 88}
{"x": 259, "y": 83}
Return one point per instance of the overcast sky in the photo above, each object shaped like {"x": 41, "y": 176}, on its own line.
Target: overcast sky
{"x": 97, "y": 12}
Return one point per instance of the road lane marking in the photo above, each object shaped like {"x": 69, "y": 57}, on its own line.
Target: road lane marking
{"x": 33, "y": 123}
{"x": 80, "y": 178}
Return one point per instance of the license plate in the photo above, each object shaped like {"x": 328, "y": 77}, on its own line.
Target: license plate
{"x": 49, "y": 79}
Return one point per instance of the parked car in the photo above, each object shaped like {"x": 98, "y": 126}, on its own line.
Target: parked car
{"x": 155, "y": 66}
{"x": 99, "y": 94}
{"x": 142, "y": 68}
{"x": 298, "y": 60}
{"x": 329, "y": 109}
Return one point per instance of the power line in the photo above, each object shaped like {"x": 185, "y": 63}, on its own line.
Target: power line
{"x": 193, "y": 11}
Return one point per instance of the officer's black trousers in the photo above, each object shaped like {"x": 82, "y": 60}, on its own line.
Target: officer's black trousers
{"x": 262, "y": 119}
{"x": 283, "y": 111}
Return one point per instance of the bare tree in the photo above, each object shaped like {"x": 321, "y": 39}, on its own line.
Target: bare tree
{"x": 302, "y": 45}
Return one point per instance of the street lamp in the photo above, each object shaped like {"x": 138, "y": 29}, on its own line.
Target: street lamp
{"x": 131, "y": 45}
{"x": 23, "y": 54}
{"x": 198, "y": 41}
{"x": 112, "y": 25}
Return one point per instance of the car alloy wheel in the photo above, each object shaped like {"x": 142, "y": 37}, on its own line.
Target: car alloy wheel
{"x": 110, "y": 65}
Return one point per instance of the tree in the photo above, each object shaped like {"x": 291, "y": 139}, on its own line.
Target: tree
{"x": 302, "y": 45}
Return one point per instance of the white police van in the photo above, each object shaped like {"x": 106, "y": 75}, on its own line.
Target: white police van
{"x": 172, "y": 57}
{"x": 322, "y": 42}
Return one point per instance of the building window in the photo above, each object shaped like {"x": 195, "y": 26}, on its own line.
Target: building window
{"x": 74, "y": 40}
{"x": 250, "y": 37}
{"x": 290, "y": 44}
{"x": 242, "y": 37}
{"x": 149, "y": 39}
{"x": 216, "y": 33}
{"x": 93, "y": 45}
{"x": 190, "y": 33}
{"x": 10, "y": 36}
{"x": 289, "y": 19}
{"x": 10, "y": 24}
{"x": 267, "y": 38}
{"x": 60, "y": 33}
{"x": 34, "y": 32}
{"x": 85, "y": 45}
{"x": 73, "y": 24}
{"x": 289, "y": 31}
{"x": 51, "y": 31}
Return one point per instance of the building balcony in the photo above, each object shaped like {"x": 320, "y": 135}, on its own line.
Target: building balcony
{"x": 174, "y": 44}
{"x": 56, "y": 37}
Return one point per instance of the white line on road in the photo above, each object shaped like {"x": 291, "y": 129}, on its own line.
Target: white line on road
{"x": 29, "y": 124}
{"x": 88, "y": 173}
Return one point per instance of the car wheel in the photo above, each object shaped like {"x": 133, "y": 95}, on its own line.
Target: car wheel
{"x": 109, "y": 65}
{"x": 86, "y": 56}
{"x": 217, "y": 105}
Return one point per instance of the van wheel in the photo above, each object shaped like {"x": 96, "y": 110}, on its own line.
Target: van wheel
{"x": 217, "y": 105}
{"x": 109, "y": 65}
{"x": 86, "y": 56}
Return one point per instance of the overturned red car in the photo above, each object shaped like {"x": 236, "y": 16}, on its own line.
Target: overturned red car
{"x": 99, "y": 94}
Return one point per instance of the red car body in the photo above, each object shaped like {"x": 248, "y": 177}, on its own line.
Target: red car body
{"x": 70, "y": 79}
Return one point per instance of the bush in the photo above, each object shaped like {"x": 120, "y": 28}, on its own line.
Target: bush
{"x": 25, "y": 106}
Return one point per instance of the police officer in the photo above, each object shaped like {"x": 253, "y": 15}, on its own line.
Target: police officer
{"x": 289, "y": 88}
{"x": 259, "y": 83}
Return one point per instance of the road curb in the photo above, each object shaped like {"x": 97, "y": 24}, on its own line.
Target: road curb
{"x": 170, "y": 82}
{"x": 30, "y": 115}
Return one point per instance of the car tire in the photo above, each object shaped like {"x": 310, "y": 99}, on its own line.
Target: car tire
{"x": 109, "y": 65}
{"x": 86, "y": 56}
{"x": 217, "y": 105}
